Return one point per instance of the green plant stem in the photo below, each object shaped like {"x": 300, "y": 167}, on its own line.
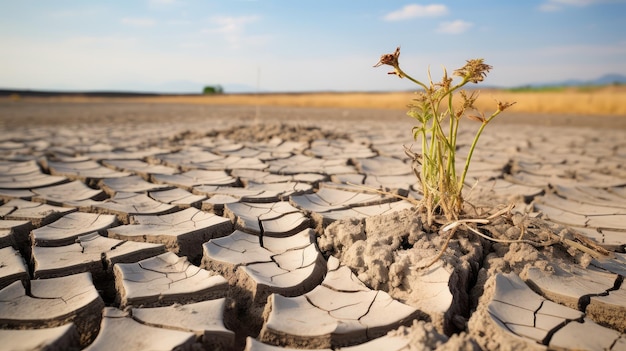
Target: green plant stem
{"x": 402, "y": 74}
{"x": 454, "y": 128}
{"x": 471, "y": 151}
{"x": 423, "y": 180}
{"x": 451, "y": 134}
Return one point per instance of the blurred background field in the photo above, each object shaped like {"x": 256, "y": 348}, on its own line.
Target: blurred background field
{"x": 607, "y": 100}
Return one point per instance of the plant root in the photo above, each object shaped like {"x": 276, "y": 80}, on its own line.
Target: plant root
{"x": 443, "y": 249}
{"x": 575, "y": 240}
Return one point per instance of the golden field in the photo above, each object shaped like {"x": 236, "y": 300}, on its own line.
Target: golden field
{"x": 609, "y": 100}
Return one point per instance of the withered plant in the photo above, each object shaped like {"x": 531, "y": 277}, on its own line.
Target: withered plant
{"x": 437, "y": 128}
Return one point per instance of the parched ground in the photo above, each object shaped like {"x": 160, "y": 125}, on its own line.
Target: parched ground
{"x": 43, "y": 111}
{"x": 178, "y": 226}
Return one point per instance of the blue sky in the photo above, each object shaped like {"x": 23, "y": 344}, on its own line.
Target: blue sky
{"x": 303, "y": 45}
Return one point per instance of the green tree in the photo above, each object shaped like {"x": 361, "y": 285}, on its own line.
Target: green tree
{"x": 213, "y": 89}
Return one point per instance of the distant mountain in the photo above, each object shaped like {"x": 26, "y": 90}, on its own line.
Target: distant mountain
{"x": 612, "y": 78}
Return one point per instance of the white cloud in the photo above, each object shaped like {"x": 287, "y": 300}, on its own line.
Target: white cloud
{"x": 454, "y": 27}
{"x": 138, "y": 21}
{"x": 233, "y": 29}
{"x": 231, "y": 25}
{"x": 556, "y": 5}
{"x": 415, "y": 10}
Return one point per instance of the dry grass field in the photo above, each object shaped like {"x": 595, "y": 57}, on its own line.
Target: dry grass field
{"x": 552, "y": 106}
{"x": 600, "y": 101}
{"x": 609, "y": 100}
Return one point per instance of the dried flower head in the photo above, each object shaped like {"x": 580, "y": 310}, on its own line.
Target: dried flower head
{"x": 504, "y": 105}
{"x": 468, "y": 100}
{"x": 477, "y": 118}
{"x": 391, "y": 60}
{"x": 474, "y": 71}
{"x": 445, "y": 81}
{"x": 420, "y": 96}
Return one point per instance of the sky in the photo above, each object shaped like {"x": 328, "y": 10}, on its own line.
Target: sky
{"x": 179, "y": 46}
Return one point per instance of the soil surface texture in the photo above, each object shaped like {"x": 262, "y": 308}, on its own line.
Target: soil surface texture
{"x": 197, "y": 227}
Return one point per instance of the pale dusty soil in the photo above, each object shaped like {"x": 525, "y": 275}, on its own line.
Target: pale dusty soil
{"x": 21, "y": 113}
{"x": 384, "y": 259}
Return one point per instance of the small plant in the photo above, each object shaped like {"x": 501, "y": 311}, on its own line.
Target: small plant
{"x": 437, "y": 128}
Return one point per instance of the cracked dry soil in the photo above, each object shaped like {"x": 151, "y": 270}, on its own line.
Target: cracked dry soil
{"x": 456, "y": 303}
